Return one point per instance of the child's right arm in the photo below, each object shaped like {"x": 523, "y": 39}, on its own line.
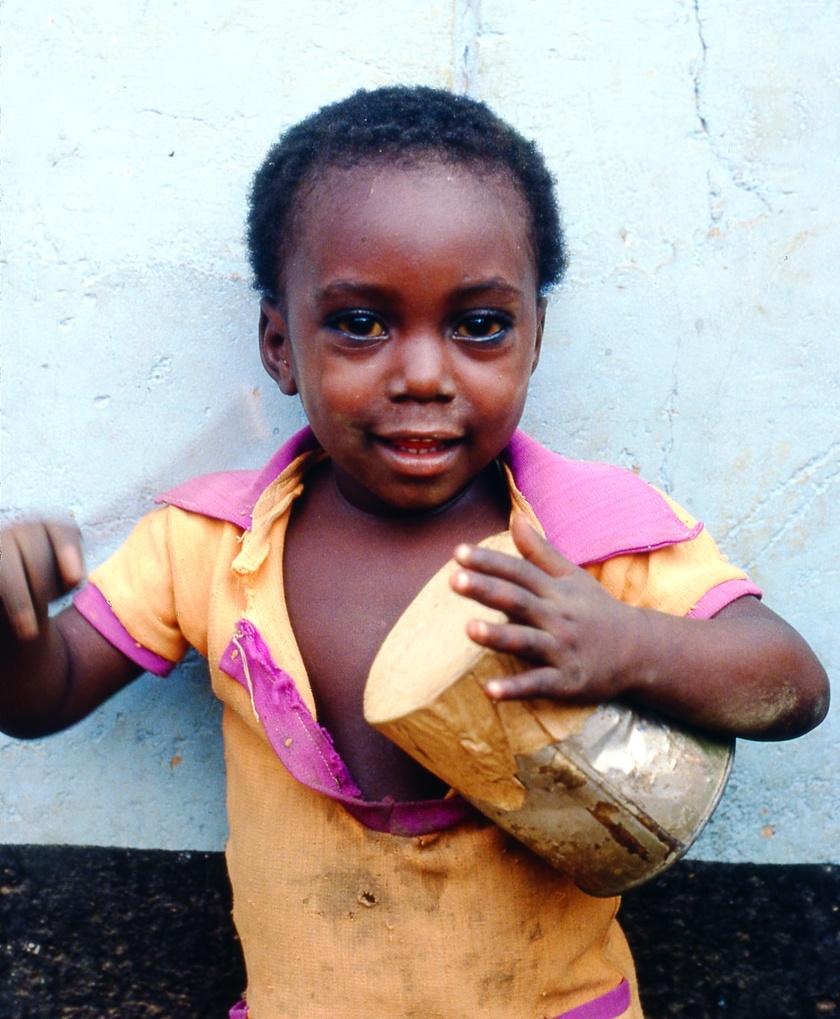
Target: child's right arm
{"x": 53, "y": 671}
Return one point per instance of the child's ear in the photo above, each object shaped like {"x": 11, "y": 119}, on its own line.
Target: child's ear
{"x": 541, "y": 307}
{"x": 274, "y": 347}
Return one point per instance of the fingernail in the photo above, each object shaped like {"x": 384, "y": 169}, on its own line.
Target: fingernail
{"x": 460, "y": 580}
{"x": 26, "y": 626}
{"x": 75, "y": 566}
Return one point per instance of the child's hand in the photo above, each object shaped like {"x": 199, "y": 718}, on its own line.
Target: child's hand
{"x": 577, "y": 635}
{"x": 743, "y": 673}
{"x": 39, "y": 562}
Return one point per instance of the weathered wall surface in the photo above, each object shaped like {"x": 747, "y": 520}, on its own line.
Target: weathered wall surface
{"x": 697, "y": 149}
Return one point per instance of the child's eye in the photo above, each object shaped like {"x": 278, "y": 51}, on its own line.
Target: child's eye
{"x": 359, "y": 325}
{"x": 482, "y": 326}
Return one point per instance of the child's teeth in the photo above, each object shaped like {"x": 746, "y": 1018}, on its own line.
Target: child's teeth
{"x": 419, "y": 447}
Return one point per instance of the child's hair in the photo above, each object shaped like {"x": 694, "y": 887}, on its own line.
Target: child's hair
{"x": 398, "y": 124}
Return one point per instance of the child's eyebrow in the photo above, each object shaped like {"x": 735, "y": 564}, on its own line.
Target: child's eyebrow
{"x": 495, "y": 286}
{"x": 491, "y": 286}
{"x": 349, "y": 288}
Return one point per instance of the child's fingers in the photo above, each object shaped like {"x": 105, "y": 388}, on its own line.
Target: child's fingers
{"x": 14, "y": 590}
{"x": 547, "y": 682}
{"x": 515, "y": 597}
{"x": 39, "y": 562}
{"x": 67, "y": 548}
{"x": 534, "y": 547}
{"x": 528, "y": 642}
{"x": 539, "y": 558}
{"x": 479, "y": 561}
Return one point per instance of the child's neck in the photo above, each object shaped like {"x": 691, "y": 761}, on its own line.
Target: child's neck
{"x": 476, "y": 498}
{"x": 349, "y": 573}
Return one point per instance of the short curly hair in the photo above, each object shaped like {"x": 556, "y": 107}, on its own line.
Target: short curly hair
{"x": 397, "y": 123}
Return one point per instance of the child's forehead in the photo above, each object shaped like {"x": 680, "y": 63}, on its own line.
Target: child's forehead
{"x": 376, "y": 179}
{"x": 384, "y": 225}
{"x": 403, "y": 189}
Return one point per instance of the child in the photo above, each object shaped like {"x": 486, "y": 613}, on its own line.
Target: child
{"x": 403, "y": 242}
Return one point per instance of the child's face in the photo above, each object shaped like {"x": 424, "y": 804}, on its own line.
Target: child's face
{"x": 410, "y": 329}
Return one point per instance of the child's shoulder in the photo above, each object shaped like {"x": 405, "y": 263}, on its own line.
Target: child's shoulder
{"x": 232, "y": 495}
{"x": 224, "y": 495}
{"x": 593, "y": 511}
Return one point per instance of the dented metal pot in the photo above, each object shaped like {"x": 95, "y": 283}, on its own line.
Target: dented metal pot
{"x": 607, "y": 794}
{"x": 619, "y": 802}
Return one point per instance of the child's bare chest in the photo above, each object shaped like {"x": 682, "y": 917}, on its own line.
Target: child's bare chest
{"x": 348, "y": 577}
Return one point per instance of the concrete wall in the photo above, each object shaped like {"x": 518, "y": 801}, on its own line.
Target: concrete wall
{"x": 696, "y": 145}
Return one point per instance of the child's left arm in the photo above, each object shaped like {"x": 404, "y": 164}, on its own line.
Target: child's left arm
{"x": 745, "y": 672}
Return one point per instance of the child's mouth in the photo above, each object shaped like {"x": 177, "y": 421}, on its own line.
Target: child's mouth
{"x": 422, "y": 448}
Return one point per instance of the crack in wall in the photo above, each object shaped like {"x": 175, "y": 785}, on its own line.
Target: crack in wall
{"x": 700, "y": 69}
{"x": 671, "y": 415}
{"x": 713, "y": 195}
{"x": 813, "y": 487}
{"x": 731, "y": 173}
{"x": 465, "y": 44}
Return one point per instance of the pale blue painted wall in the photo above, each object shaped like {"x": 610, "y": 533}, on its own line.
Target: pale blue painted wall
{"x": 697, "y": 149}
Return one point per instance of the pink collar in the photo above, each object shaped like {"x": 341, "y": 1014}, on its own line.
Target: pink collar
{"x": 589, "y": 511}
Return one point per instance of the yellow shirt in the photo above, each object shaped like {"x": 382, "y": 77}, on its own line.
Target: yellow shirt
{"x": 339, "y": 920}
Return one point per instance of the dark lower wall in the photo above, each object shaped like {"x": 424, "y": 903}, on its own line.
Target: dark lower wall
{"x": 88, "y": 932}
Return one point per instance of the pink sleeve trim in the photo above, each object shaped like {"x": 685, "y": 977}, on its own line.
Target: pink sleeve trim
{"x": 92, "y": 604}
{"x": 722, "y": 595}
{"x": 611, "y": 1005}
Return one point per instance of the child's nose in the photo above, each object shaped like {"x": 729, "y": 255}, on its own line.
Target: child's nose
{"x": 421, "y": 369}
